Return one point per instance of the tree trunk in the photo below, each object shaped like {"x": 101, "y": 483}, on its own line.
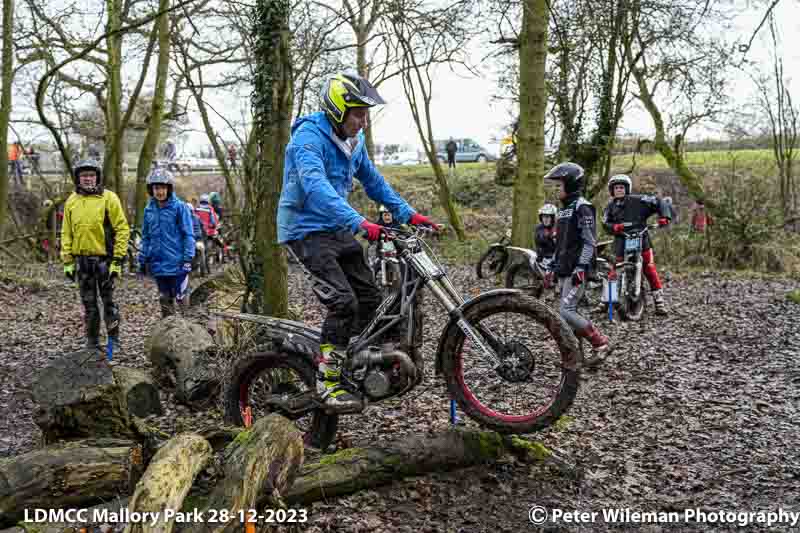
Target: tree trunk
{"x": 528, "y": 187}
{"x": 156, "y": 114}
{"x": 354, "y": 469}
{"x": 67, "y": 475}
{"x": 112, "y": 166}
{"x": 80, "y": 396}
{"x": 265, "y": 265}
{"x": 260, "y": 466}
{"x": 5, "y": 104}
{"x": 167, "y": 480}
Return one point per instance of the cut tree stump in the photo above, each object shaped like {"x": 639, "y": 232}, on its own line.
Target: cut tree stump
{"x": 80, "y": 396}
{"x": 182, "y": 353}
{"x": 354, "y": 469}
{"x": 260, "y": 465}
{"x": 67, "y": 475}
{"x": 167, "y": 480}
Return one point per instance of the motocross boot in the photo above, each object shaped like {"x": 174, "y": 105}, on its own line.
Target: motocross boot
{"x": 661, "y": 305}
{"x": 599, "y": 344}
{"x": 330, "y": 393}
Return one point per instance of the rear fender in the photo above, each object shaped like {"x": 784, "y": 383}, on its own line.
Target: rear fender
{"x": 286, "y": 335}
{"x": 452, "y": 325}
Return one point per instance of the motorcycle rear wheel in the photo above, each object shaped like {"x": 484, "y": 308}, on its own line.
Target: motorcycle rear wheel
{"x": 256, "y": 375}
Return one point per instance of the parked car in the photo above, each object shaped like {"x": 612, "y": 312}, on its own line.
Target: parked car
{"x": 402, "y": 158}
{"x": 468, "y": 151}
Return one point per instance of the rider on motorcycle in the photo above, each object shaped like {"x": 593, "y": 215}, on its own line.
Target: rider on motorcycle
{"x": 386, "y": 219}
{"x": 326, "y": 151}
{"x": 575, "y": 250}
{"x": 636, "y": 209}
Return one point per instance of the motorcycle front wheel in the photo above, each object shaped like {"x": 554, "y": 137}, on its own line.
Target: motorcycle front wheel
{"x": 540, "y": 359}
{"x": 492, "y": 262}
{"x": 633, "y": 308}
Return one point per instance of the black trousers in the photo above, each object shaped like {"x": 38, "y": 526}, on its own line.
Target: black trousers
{"x": 93, "y": 278}
{"x": 451, "y": 160}
{"x": 344, "y": 283}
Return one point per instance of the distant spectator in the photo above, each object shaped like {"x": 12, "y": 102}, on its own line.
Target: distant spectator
{"x": 93, "y": 152}
{"x": 169, "y": 151}
{"x": 451, "y": 149}
{"x": 14, "y": 160}
{"x": 700, "y": 219}
{"x": 232, "y": 155}
{"x": 33, "y": 157}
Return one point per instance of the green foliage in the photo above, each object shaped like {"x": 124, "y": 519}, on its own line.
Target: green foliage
{"x": 794, "y": 296}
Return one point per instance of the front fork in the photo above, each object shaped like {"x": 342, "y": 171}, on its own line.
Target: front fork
{"x": 443, "y": 289}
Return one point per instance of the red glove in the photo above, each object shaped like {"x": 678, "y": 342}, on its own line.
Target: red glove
{"x": 578, "y": 277}
{"x": 618, "y": 228}
{"x": 548, "y": 279}
{"x": 421, "y": 220}
{"x": 663, "y": 221}
{"x": 373, "y": 230}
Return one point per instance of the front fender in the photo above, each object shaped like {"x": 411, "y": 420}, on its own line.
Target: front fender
{"x": 288, "y": 335}
{"x": 452, "y": 325}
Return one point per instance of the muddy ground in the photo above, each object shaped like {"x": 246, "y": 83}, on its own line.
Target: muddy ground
{"x": 698, "y": 410}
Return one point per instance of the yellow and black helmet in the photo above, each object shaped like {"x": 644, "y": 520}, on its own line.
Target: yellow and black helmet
{"x": 345, "y": 90}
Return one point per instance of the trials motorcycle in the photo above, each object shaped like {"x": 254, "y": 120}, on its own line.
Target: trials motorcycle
{"x": 508, "y": 360}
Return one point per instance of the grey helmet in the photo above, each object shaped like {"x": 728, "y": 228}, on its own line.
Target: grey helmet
{"x": 88, "y": 164}
{"x": 548, "y": 209}
{"x": 160, "y": 176}
{"x": 620, "y": 179}
{"x": 204, "y": 198}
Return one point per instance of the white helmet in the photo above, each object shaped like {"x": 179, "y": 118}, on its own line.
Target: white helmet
{"x": 548, "y": 209}
{"x": 620, "y": 179}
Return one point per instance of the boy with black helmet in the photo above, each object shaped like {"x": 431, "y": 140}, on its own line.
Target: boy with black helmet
{"x": 575, "y": 251}
{"x": 167, "y": 240}
{"x": 94, "y": 238}
{"x": 636, "y": 209}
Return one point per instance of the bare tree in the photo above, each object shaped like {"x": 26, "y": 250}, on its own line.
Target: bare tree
{"x": 528, "y": 187}
{"x": 675, "y": 53}
{"x": 426, "y": 38}
{"x": 5, "y": 103}
{"x": 775, "y": 99}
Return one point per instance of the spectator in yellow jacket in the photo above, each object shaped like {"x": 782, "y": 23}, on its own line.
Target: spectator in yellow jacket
{"x": 94, "y": 238}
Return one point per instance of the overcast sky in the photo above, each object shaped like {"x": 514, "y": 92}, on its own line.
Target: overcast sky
{"x": 463, "y": 107}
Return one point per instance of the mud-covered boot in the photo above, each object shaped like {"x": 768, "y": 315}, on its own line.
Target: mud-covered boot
{"x": 330, "y": 392}
{"x": 599, "y": 344}
{"x": 661, "y": 305}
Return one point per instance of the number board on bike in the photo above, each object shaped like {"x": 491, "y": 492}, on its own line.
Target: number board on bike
{"x": 632, "y": 244}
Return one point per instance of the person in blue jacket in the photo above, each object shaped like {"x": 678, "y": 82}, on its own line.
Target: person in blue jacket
{"x": 167, "y": 240}
{"x": 325, "y": 152}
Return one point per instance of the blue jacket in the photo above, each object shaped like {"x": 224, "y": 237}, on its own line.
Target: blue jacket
{"x": 167, "y": 237}
{"x": 318, "y": 178}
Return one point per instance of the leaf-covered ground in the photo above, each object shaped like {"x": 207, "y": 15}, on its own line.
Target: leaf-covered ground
{"x": 695, "y": 410}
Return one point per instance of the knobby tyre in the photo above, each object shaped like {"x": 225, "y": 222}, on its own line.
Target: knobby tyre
{"x": 492, "y": 262}
{"x": 256, "y": 375}
{"x": 539, "y": 378}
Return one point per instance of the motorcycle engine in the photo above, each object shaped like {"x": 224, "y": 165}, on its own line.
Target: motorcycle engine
{"x": 383, "y": 371}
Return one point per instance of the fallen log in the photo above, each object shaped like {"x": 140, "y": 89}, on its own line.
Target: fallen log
{"x": 167, "y": 480}
{"x": 68, "y": 475}
{"x": 354, "y": 469}
{"x": 183, "y": 354}
{"x": 260, "y": 465}
{"x": 80, "y": 396}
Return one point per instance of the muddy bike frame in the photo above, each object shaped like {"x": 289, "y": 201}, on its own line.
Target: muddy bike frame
{"x": 420, "y": 271}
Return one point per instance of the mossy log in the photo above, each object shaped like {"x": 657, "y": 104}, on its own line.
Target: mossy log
{"x": 167, "y": 480}
{"x": 181, "y": 351}
{"x": 68, "y": 475}
{"x": 80, "y": 396}
{"x": 260, "y": 465}
{"x": 354, "y": 469}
